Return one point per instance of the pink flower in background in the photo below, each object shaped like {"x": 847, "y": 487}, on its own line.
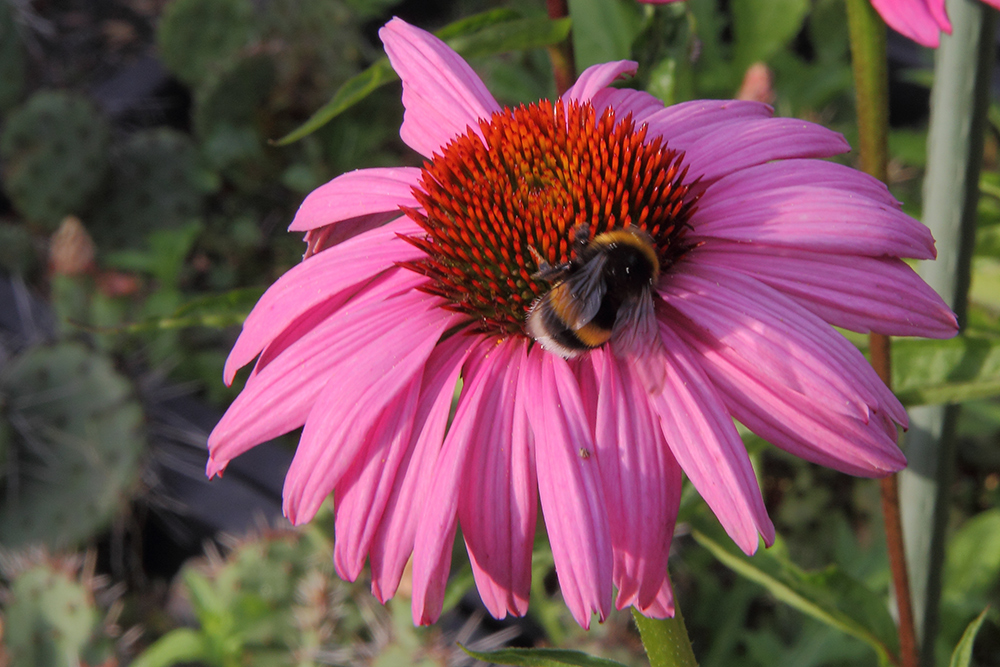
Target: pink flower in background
{"x": 920, "y": 20}
{"x": 424, "y": 276}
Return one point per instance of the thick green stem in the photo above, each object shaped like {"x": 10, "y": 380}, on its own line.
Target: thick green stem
{"x": 951, "y": 189}
{"x": 871, "y": 84}
{"x": 665, "y": 640}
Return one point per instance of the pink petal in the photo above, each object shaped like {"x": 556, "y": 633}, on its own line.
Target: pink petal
{"x": 278, "y": 399}
{"x": 367, "y": 383}
{"x": 639, "y": 103}
{"x": 598, "y": 77}
{"x": 795, "y": 346}
{"x": 794, "y": 422}
{"x": 361, "y": 495}
{"x": 920, "y": 20}
{"x": 808, "y": 217}
{"x": 797, "y": 172}
{"x": 702, "y": 437}
{"x": 663, "y": 605}
{"x": 319, "y": 286}
{"x": 436, "y": 528}
{"x": 758, "y": 347}
{"x": 443, "y": 97}
{"x": 569, "y": 486}
{"x": 691, "y": 121}
{"x": 641, "y": 481}
{"x": 498, "y": 495}
{"x": 358, "y": 193}
{"x": 880, "y": 294}
{"x": 771, "y": 344}
{"x": 393, "y": 541}
{"x": 732, "y": 147}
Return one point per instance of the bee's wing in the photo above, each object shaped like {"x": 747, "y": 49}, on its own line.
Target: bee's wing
{"x": 635, "y": 334}
{"x": 582, "y": 293}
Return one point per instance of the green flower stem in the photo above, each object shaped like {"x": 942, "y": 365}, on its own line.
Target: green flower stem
{"x": 871, "y": 83}
{"x": 665, "y": 640}
{"x": 959, "y": 98}
{"x": 561, "y": 54}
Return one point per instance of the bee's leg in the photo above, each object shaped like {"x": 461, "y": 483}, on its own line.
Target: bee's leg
{"x": 545, "y": 270}
{"x": 581, "y": 238}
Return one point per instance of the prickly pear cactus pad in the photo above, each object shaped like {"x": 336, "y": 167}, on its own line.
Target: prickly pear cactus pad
{"x": 54, "y": 150}
{"x": 50, "y": 617}
{"x": 197, "y": 36}
{"x": 75, "y": 443}
{"x": 155, "y": 183}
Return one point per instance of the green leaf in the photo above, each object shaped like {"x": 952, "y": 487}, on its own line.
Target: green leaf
{"x": 828, "y": 595}
{"x": 972, "y": 565}
{"x": 927, "y": 372}
{"x": 216, "y": 311}
{"x": 541, "y": 657}
{"x": 762, "y": 27}
{"x": 603, "y": 30}
{"x": 177, "y": 646}
{"x": 350, "y": 93}
{"x": 962, "y": 656}
{"x": 476, "y": 22}
{"x": 518, "y": 35}
{"x": 495, "y": 31}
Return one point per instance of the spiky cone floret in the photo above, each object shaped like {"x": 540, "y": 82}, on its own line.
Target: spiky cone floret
{"x": 761, "y": 247}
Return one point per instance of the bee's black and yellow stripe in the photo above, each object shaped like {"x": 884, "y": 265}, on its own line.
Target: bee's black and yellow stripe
{"x": 628, "y": 266}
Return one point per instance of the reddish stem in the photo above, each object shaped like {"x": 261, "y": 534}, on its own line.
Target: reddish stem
{"x": 561, "y": 55}
{"x": 881, "y": 362}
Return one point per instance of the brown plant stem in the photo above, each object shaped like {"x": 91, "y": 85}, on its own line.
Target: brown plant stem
{"x": 561, "y": 54}
{"x": 871, "y": 83}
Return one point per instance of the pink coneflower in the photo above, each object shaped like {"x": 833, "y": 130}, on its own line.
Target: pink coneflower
{"x": 758, "y": 246}
{"x": 923, "y": 21}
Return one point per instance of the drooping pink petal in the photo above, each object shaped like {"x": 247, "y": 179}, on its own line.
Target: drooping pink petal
{"x": 348, "y": 406}
{"x": 793, "y": 344}
{"x": 393, "y": 541}
{"x": 663, "y": 605}
{"x": 498, "y": 495}
{"x": 356, "y": 194}
{"x": 809, "y": 217}
{"x": 362, "y": 493}
{"x": 705, "y": 443}
{"x": 439, "y": 516}
{"x": 569, "y": 486}
{"x": 443, "y": 97}
{"x": 794, "y": 422}
{"x": 920, "y": 20}
{"x": 322, "y": 279}
{"x": 756, "y": 359}
{"x": 597, "y": 78}
{"x": 863, "y": 294}
{"x": 641, "y": 481}
{"x": 278, "y": 398}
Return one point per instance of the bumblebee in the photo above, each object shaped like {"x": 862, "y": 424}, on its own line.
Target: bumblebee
{"x": 604, "y": 292}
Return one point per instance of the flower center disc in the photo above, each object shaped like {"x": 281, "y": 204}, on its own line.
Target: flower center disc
{"x": 535, "y": 175}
